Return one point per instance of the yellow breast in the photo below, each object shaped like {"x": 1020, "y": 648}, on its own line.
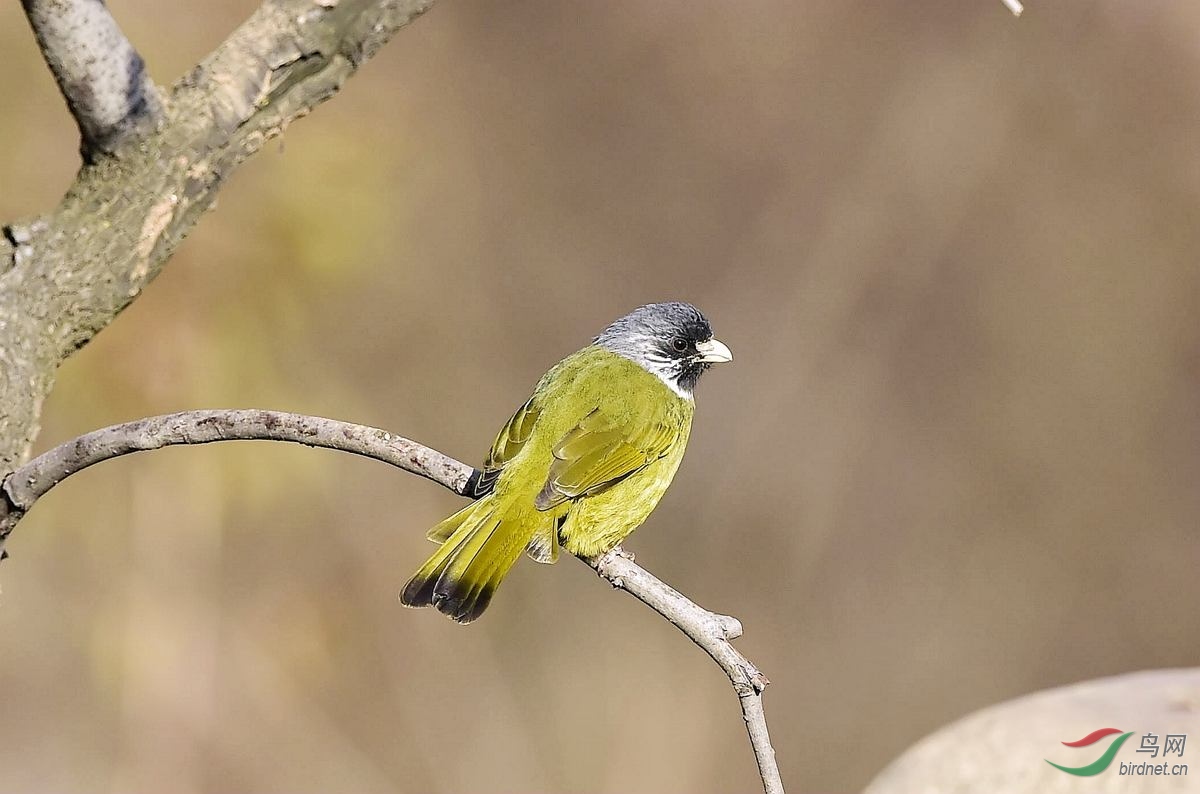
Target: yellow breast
{"x": 597, "y": 523}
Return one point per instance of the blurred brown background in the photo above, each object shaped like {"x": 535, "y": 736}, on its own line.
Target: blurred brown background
{"x": 955, "y": 460}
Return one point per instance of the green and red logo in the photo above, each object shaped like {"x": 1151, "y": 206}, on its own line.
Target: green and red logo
{"x": 1101, "y": 763}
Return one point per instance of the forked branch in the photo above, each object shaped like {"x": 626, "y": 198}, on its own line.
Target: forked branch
{"x": 710, "y": 631}
{"x": 99, "y": 72}
{"x": 154, "y": 163}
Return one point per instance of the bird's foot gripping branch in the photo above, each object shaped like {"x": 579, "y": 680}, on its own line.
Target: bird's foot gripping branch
{"x": 711, "y": 631}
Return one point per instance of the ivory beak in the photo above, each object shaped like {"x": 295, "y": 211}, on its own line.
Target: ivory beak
{"x": 714, "y": 351}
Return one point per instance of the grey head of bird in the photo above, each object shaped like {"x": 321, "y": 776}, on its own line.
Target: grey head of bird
{"x": 671, "y": 340}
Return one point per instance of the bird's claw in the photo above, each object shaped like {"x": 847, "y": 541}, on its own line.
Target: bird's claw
{"x": 619, "y": 551}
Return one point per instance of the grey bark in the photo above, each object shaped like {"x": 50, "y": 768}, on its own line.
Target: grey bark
{"x": 100, "y": 74}
{"x": 151, "y": 173}
{"x": 31, "y": 481}
{"x": 712, "y": 632}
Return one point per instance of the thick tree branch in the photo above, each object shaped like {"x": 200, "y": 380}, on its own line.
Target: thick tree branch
{"x": 66, "y": 275}
{"x": 709, "y": 630}
{"x": 99, "y": 72}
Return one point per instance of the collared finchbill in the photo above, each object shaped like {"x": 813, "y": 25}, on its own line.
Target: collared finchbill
{"x": 582, "y": 463}
{"x": 714, "y": 351}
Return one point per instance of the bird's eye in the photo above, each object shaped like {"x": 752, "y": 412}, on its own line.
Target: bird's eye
{"x": 679, "y": 344}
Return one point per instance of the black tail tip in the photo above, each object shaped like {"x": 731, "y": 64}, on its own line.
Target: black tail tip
{"x": 463, "y": 607}
{"x": 455, "y": 600}
{"x": 418, "y": 592}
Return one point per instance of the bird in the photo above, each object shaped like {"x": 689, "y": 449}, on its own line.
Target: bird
{"x": 581, "y": 464}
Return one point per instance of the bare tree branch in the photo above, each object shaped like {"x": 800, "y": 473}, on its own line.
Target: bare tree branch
{"x": 709, "y": 630}
{"x": 713, "y": 633}
{"x": 24, "y": 486}
{"x": 65, "y": 275}
{"x": 98, "y": 71}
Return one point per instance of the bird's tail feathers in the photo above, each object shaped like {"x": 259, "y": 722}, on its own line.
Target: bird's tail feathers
{"x": 478, "y": 549}
{"x": 442, "y": 531}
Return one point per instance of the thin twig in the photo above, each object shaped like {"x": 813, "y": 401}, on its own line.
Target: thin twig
{"x": 709, "y": 630}
{"x": 31, "y": 481}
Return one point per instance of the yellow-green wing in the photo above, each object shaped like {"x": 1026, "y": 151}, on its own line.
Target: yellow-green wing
{"x": 512, "y": 437}
{"x": 508, "y": 443}
{"x": 598, "y": 453}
